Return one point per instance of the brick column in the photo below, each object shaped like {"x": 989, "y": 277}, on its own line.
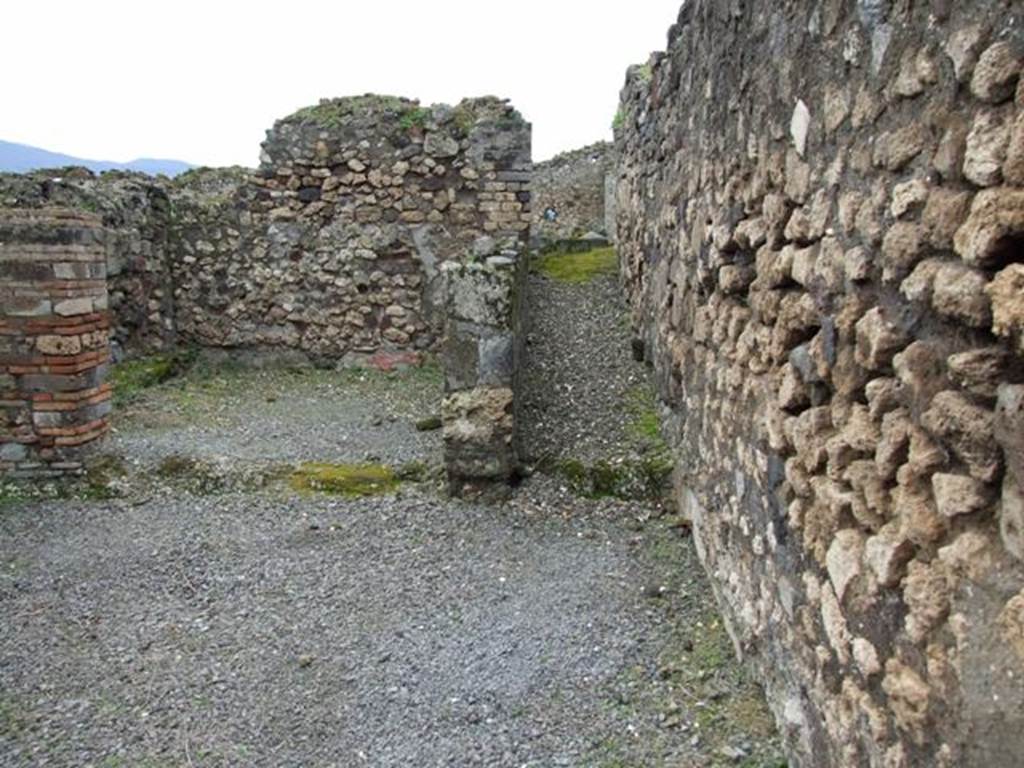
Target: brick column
{"x": 54, "y": 340}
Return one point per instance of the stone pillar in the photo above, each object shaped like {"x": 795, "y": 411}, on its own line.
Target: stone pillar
{"x": 54, "y": 340}
{"x": 483, "y": 309}
{"x": 481, "y": 354}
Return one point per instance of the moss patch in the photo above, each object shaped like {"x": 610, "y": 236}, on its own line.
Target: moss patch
{"x": 643, "y": 477}
{"x": 645, "y": 424}
{"x": 578, "y": 267}
{"x": 131, "y": 377}
{"x": 352, "y": 480}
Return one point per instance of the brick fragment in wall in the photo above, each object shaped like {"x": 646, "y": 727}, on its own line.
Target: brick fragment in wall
{"x": 898, "y": 451}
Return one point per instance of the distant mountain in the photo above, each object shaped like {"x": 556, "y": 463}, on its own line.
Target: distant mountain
{"x": 21, "y": 158}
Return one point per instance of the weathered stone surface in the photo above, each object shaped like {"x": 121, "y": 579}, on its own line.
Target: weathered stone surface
{"x": 986, "y": 149}
{"x": 53, "y": 339}
{"x": 1013, "y": 168}
{"x": 1006, "y": 292}
{"x": 878, "y": 367}
{"x": 886, "y": 553}
{"x": 919, "y": 521}
{"x": 959, "y": 292}
{"x": 478, "y": 434}
{"x": 943, "y": 214}
{"x": 909, "y": 696}
{"x": 993, "y": 227}
{"x": 569, "y": 195}
{"x": 971, "y": 555}
{"x": 798, "y": 127}
{"x": 963, "y": 48}
{"x": 878, "y": 340}
{"x": 979, "y": 370}
{"x": 1011, "y": 622}
{"x": 927, "y": 597}
{"x": 901, "y": 249}
{"x": 1011, "y": 517}
{"x": 968, "y": 430}
{"x": 995, "y": 75}
{"x": 843, "y": 560}
{"x": 959, "y": 494}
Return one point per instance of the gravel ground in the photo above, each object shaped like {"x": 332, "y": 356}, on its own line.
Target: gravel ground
{"x": 260, "y": 629}
{"x": 579, "y": 371}
{"x": 284, "y": 416}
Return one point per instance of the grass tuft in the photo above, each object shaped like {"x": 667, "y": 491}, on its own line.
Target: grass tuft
{"x": 579, "y": 267}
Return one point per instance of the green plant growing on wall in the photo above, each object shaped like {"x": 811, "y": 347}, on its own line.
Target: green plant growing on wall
{"x": 414, "y": 118}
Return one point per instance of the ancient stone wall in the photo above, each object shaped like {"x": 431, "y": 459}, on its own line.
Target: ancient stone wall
{"x": 54, "y": 339}
{"x": 821, "y": 226}
{"x": 569, "y": 194}
{"x": 334, "y": 246}
{"x": 331, "y": 249}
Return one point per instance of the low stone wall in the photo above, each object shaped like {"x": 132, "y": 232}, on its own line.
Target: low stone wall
{"x": 570, "y": 193}
{"x": 821, "y": 226}
{"x": 54, "y": 339}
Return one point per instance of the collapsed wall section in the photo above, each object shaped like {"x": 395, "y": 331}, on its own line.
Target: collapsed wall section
{"x": 54, "y": 340}
{"x": 821, "y": 227}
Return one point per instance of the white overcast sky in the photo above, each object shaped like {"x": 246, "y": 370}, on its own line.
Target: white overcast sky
{"x": 201, "y": 81}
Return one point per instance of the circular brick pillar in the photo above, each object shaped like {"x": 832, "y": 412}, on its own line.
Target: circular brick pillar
{"x": 54, "y": 339}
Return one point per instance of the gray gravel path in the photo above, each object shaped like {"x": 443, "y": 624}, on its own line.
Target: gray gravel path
{"x": 399, "y": 631}
{"x": 579, "y": 370}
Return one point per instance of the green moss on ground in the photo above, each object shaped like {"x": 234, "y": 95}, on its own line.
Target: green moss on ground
{"x": 429, "y": 424}
{"x": 578, "y": 267}
{"x": 352, "y": 480}
{"x": 15, "y": 493}
{"x": 132, "y": 377}
{"x": 642, "y": 477}
{"x": 645, "y": 423}
{"x": 414, "y": 472}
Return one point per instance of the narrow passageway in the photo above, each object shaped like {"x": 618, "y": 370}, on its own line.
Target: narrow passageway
{"x": 199, "y": 606}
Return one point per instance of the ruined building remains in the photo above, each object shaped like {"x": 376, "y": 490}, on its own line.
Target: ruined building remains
{"x": 373, "y": 227}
